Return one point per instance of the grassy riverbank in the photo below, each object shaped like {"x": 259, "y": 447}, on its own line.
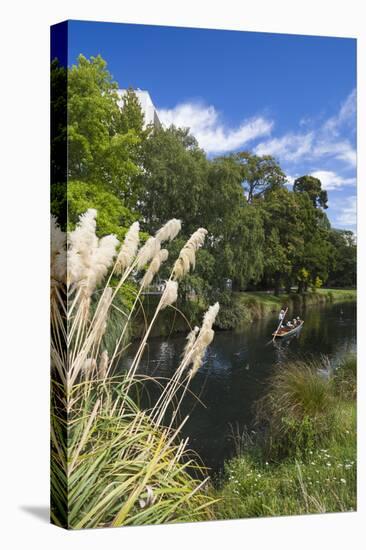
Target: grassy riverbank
{"x": 303, "y": 457}
{"x": 237, "y": 309}
{"x": 244, "y": 307}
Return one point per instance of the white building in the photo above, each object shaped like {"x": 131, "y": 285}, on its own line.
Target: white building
{"x": 147, "y": 106}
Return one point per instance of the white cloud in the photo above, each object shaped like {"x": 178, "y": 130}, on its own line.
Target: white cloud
{"x": 347, "y": 216}
{"x": 346, "y": 115}
{"x": 341, "y": 150}
{"x": 290, "y": 147}
{"x": 325, "y": 142}
{"x": 331, "y": 181}
{"x": 212, "y": 135}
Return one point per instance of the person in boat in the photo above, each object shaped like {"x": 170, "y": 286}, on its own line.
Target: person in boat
{"x": 281, "y": 316}
{"x": 298, "y": 320}
{"x": 289, "y": 324}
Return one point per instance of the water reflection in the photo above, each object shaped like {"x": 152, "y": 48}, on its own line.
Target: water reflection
{"x": 236, "y": 368}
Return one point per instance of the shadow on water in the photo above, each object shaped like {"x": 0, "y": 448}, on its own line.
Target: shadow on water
{"x": 236, "y": 369}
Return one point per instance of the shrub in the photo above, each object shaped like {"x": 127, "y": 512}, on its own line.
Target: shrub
{"x": 298, "y": 409}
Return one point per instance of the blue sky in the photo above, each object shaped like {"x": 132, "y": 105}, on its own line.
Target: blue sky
{"x": 293, "y": 97}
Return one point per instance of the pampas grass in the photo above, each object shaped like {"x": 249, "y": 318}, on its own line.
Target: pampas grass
{"x": 170, "y": 294}
{"x": 169, "y": 231}
{"x": 149, "y": 250}
{"x": 196, "y": 351}
{"x": 187, "y": 256}
{"x": 154, "y": 267}
{"x": 129, "y": 248}
{"x": 109, "y": 456}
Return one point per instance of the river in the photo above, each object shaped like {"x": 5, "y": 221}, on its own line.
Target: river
{"x": 236, "y": 368}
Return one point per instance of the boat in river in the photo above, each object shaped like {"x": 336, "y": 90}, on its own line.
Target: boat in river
{"x": 288, "y": 331}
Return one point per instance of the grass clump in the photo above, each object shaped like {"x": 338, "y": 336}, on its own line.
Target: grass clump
{"x": 299, "y": 408}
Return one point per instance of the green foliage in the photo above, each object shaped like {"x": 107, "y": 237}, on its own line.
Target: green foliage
{"x": 313, "y": 188}
{"x": 173, "y": 182}
{"x": 113, "y": 216}
{"x": 99, "y": 150}
{"x": 233, "y": 313}
{"x": 316, "y": 284}
{"x": 343, "y": 265}
{"x": 259, "y": 174}
{"x": 132, "y": 117}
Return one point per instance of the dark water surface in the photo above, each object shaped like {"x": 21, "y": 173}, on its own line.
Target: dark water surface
{"x": 236, "y": 368}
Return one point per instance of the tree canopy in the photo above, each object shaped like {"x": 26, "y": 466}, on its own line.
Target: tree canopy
{"x": 260, "y": 233}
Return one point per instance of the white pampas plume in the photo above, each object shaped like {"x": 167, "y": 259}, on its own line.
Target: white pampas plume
{"x": 103, "y": 309}
{"x": 83, "y": 239}
{"x": 59, "y": 270}
{"x": 169, "y": 231}
{"x": 187, "y": 256}
{"x": 210, "y": 315}
{"x": 154, "y": 267}
{"x": 197, "y": 351}
{"x": 191, "y": 339}
{"x": 88, "y": 258}
{"x": 101, "y": 260}
{"x": 81, "y": 244}
{"x": 58, "y": 251}
{"x": 75, "y": 267}
{"x": 129, "y": 248}
{"x": 148, "y": 251}
{"x": 170, "y": 294}
{"x": 103, "y": 364}
{"x": 203, "y": 341}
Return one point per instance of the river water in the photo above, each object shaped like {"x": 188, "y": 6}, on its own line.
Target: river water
{"x": 236, "y": 368}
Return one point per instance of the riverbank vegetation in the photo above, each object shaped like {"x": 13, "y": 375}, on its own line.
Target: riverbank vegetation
{"x": 264, "y": 234}
{"x": 302, "y": 456}
{"x": 239, "y": 308}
